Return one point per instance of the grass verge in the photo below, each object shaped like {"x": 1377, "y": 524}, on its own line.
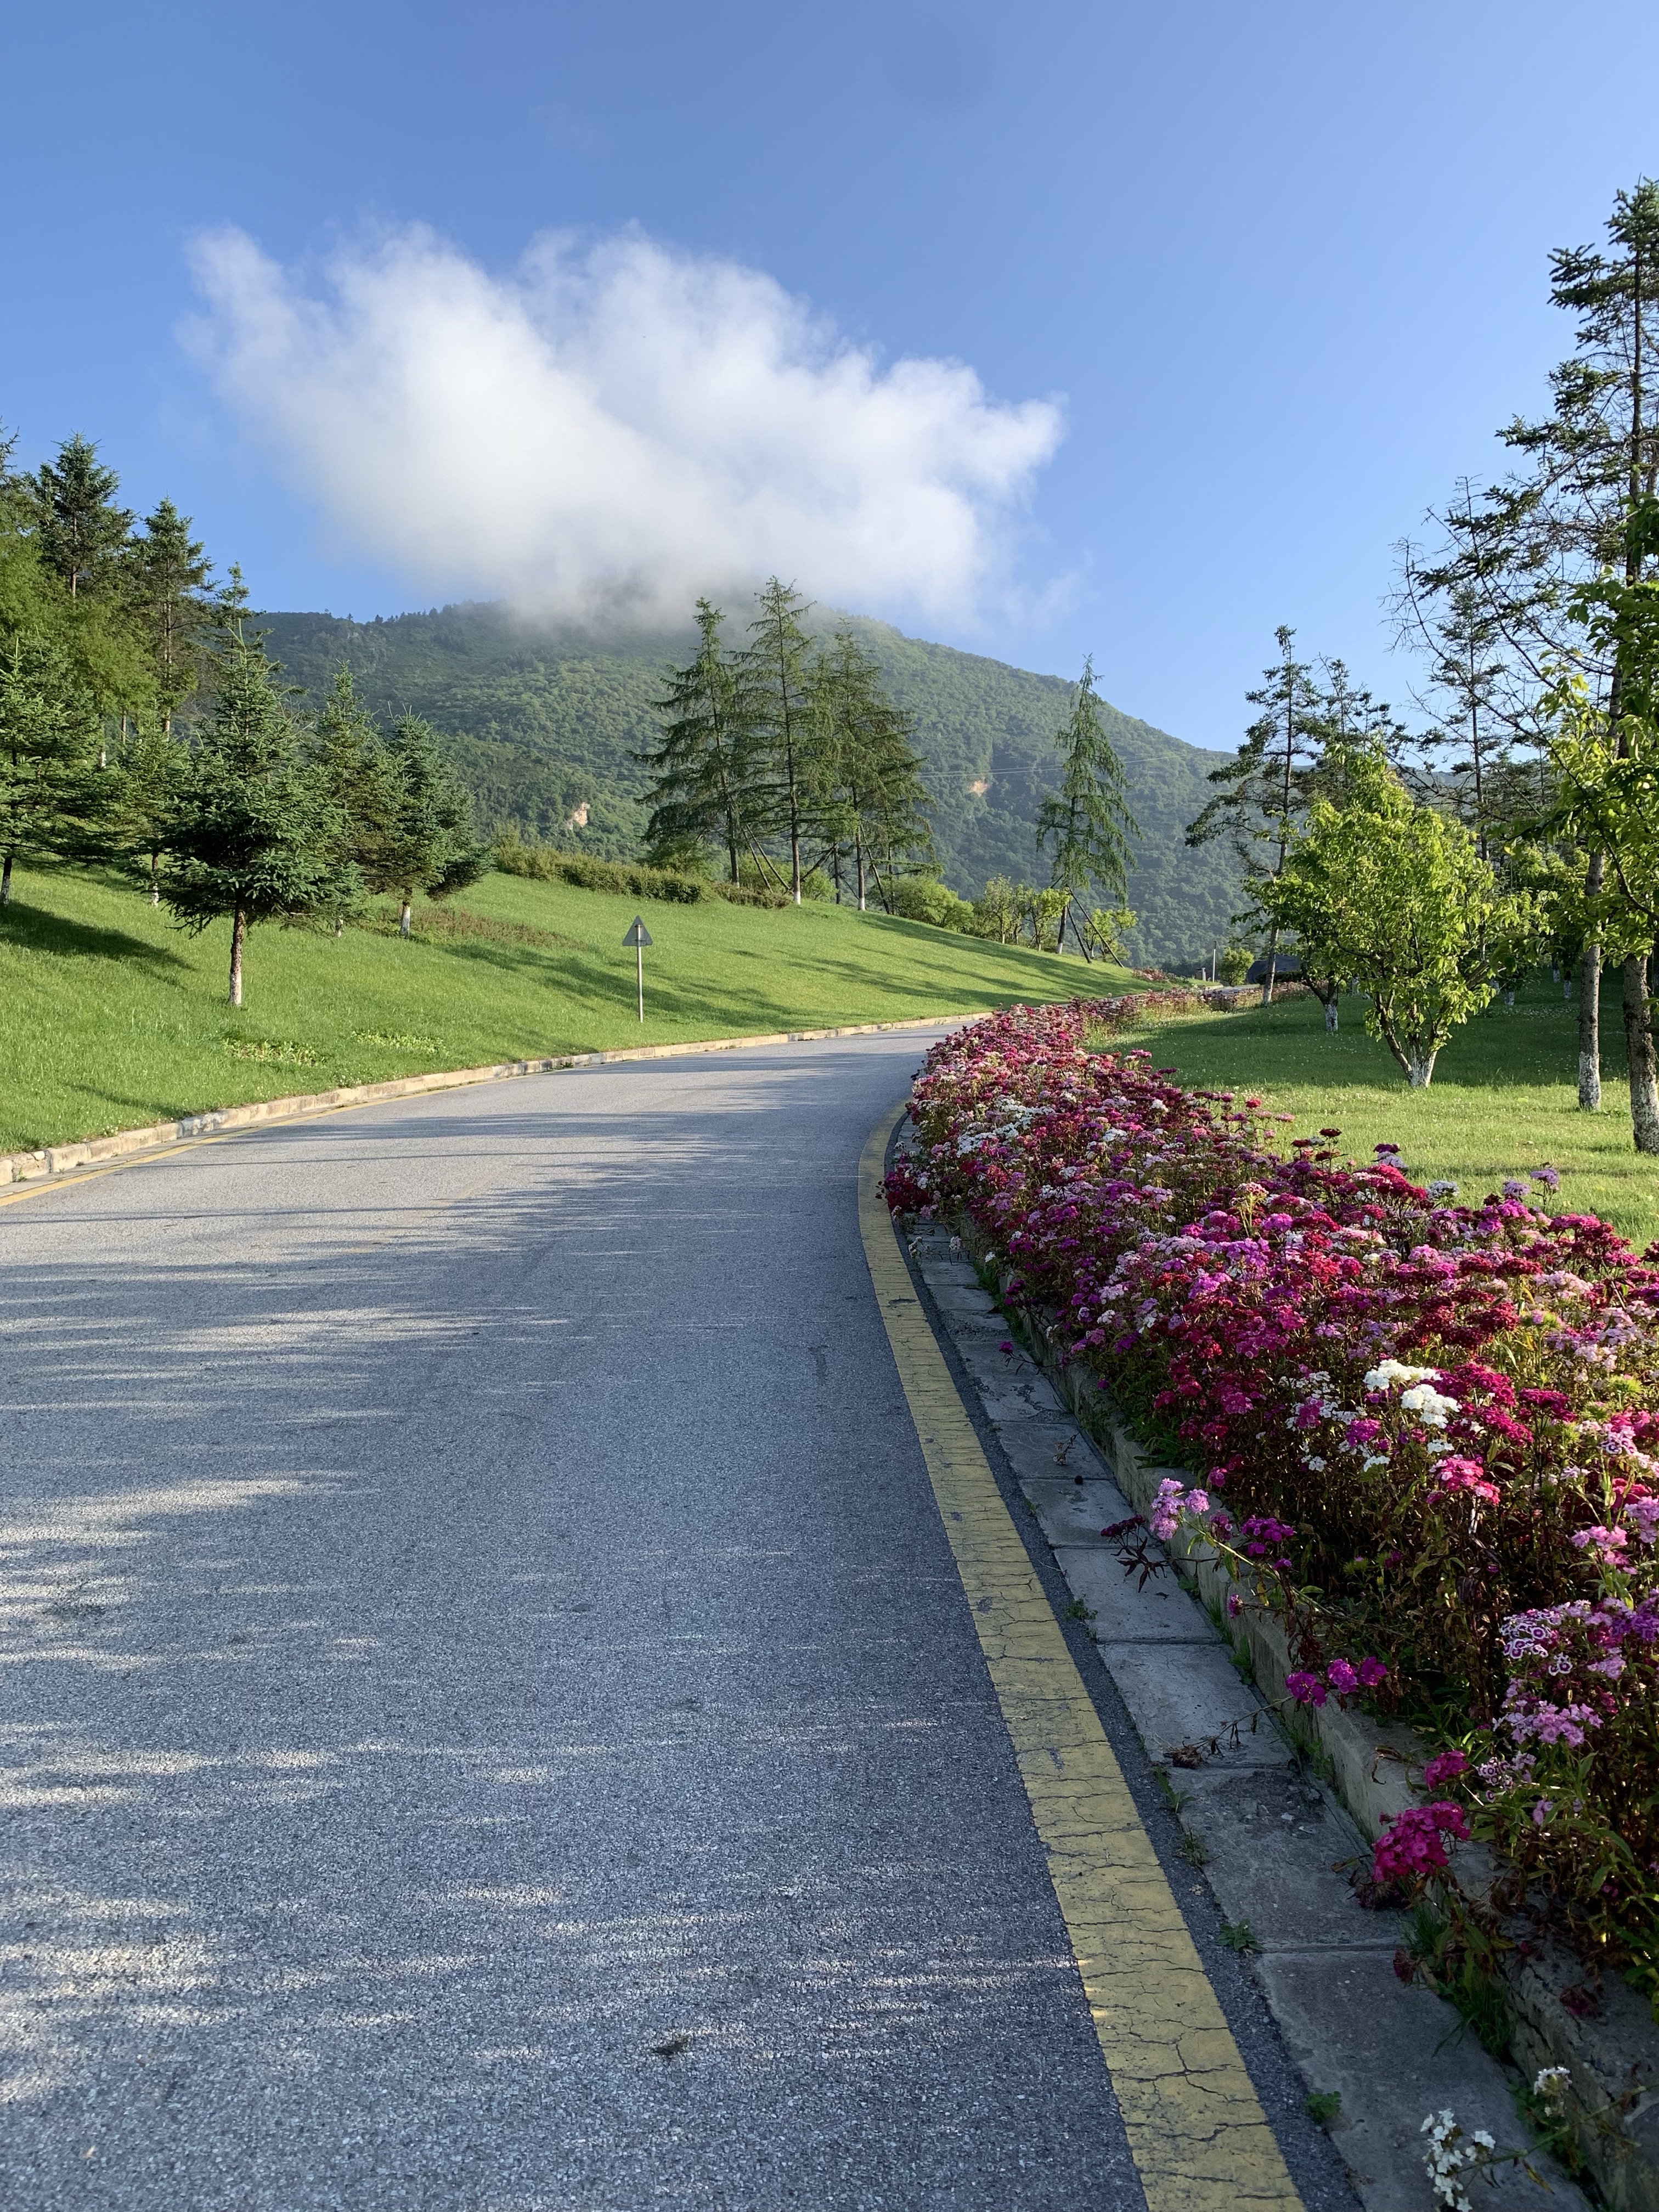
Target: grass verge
{"x": 110, "y": 1018}
{"x": 1504, "y": 1097}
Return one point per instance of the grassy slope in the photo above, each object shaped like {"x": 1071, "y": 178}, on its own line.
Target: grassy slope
{"x": 1504, "y": 1099}
{"x": 110, "y": 1018}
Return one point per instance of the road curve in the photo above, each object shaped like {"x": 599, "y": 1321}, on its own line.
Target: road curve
{"x": 491, "y": 1716}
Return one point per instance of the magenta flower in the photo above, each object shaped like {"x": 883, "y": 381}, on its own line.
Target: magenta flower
{"x": 1306, "y": 1689}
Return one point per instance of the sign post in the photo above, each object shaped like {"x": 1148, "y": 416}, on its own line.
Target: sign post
{"x": 639, "y": 937}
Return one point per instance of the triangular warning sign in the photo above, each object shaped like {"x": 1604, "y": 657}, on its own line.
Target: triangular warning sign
{"x": 637, "y": 933}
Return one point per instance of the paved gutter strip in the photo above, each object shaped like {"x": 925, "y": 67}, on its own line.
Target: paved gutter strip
{"x": 192, "y": 1128}
{"x": 1268, "y": 1832}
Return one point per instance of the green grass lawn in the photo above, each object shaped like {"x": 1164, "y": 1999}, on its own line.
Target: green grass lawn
{"x": 1504, "y": 1097}
{"x": 110, "y": 1018}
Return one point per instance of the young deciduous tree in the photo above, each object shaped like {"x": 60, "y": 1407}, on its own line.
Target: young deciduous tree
{"x": 1088, "y": 819}
{"x": 1525, "y": 547}
{"x": 998, "y": 908}
{"x": 1394, "y": 895}
{"x": 1262, "y": 792}
{"x": 253, "y": 835}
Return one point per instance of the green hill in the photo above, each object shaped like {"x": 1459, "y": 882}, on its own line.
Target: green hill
{"x": 544, "y": 725}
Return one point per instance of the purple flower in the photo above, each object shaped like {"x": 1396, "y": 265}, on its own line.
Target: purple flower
{"x": 1306, "y": 1689}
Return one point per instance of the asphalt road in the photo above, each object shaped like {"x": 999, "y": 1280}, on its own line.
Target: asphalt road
{"x": 490, "y": 1719}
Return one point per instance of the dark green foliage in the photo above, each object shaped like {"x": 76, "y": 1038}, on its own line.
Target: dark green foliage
{"x": 1087, "y": 820}
{"x": 426, "y": 842}
{"x": 50, "y": 794}
{"x": 869, "y": 800}
{"x": 543, "y": 864}
{"x": 542, "y": 723}
{"x": 166, "y": 587}
{"x": 779, "y": 718}
{"x": 704, "y": 758}
{"x": 252, "y": 833}
{"x": 79, "y": 530}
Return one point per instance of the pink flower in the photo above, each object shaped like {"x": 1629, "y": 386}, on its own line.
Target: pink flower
{"x": 1342, "y": 1678}
{"x": 1412, "y": 1842}
{"x": 1306, "y": 1689}
{"x": 1442, "y": 1768}
{"x": 1371, "y": 1672}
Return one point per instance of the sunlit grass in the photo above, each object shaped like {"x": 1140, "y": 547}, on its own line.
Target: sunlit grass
{"x": 1504, "y": 1097}
{"x": 111, "y": 1018}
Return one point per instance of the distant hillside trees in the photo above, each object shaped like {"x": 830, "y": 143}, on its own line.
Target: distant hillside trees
{"x": 788, "y": 757}
{"x": 1088, "y": 825}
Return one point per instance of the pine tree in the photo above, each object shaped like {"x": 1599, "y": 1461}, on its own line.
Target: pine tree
{"x": 776, "y": 667}
{"x": 863, "y": 771}
{"x": 82, "y": 531}
{"x": 252, "y": 835}
{"x": 427, "y": 842}
{"x": 362, "y": 783}
{"x": 147, "y": 777}
{"x": 1088, "y": 819}
{"x": 1263, "y": 789}
{"x": 50, "y": 798}
{"x": 166, "y": 576}
{"x": 704, "y": 759}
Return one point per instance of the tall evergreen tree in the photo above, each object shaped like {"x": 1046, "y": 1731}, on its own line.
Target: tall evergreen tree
{"x": 146, "y": 778}
{"x": 1088, "y": 819}
{"x": 427, "y": 842}
{"x": 704, "y": 758}
{"x": 362, "y": 783}
{"x": 776, "y": 667}
{"x": 1262, "y": 790}
{"x": 253, "y": 835}
{"x": 865, "y": 775}
{"x": 82, "y": 531}
{"x": 166, "y": 576}
{"x": 49, "y": 733}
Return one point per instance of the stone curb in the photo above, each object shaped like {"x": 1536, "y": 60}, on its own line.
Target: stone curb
{"x": 94, "y": 1151}
{"x": 1613, "y": 2058}
{"x": 1270, "y": 1837}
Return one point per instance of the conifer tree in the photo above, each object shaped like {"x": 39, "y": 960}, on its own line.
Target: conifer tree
{"x": 253, "y": 835}
{"x": 776, "y": 667}
{"x": 81, "y": 532}
{"x": 865, "y": 773}
{"x": 362, "y": 783}
{"x": 704, "y": 758}
{"x": 166, "y": 576}
{"x": 147, "y": 776}
{"x": 426, "y": 843}
{"x": 1263, "y": 789}
{"x": 49, "y": 733}
{"x": 1088, "y": 819}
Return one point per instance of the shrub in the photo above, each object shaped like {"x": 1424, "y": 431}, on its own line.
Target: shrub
{"x": 636, "y": 880}
{"x": 1425, "y": 1431}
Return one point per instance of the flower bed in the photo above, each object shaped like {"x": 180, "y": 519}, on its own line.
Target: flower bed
{"x": 1427, "y": 1434}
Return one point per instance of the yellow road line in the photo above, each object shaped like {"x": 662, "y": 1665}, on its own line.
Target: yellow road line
{"x": 1197, "y": 2132}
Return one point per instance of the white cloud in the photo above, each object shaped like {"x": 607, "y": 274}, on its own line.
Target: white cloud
{"x": 615, "y": 429}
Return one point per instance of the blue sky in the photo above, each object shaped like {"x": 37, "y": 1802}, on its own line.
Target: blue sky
{"x": 1281, "y": 269}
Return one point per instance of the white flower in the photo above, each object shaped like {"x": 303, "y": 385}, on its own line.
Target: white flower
{"x": 1395, "y": 1370}
{"x": 1427, "y": 1403}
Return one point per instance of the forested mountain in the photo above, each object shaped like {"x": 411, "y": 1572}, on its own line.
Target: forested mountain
{"x": 544, "y": 725}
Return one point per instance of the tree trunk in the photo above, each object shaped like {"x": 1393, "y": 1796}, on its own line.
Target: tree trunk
{"x": 1273, "y": 967}
{"x": 5, "y": 879}
{"x": 858, "y": 848}
{"x": 156, "y": 879}
{"x": 1419, "y": 1069}
{"x": 339, "y": 924}
{"x": 238, "y": 933}
{"x": 1638, "y": 1047}
{"x": 1332, "y": 1016}
{"x": 1589, "y": 1002}
{"x": 403, "y": 920}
